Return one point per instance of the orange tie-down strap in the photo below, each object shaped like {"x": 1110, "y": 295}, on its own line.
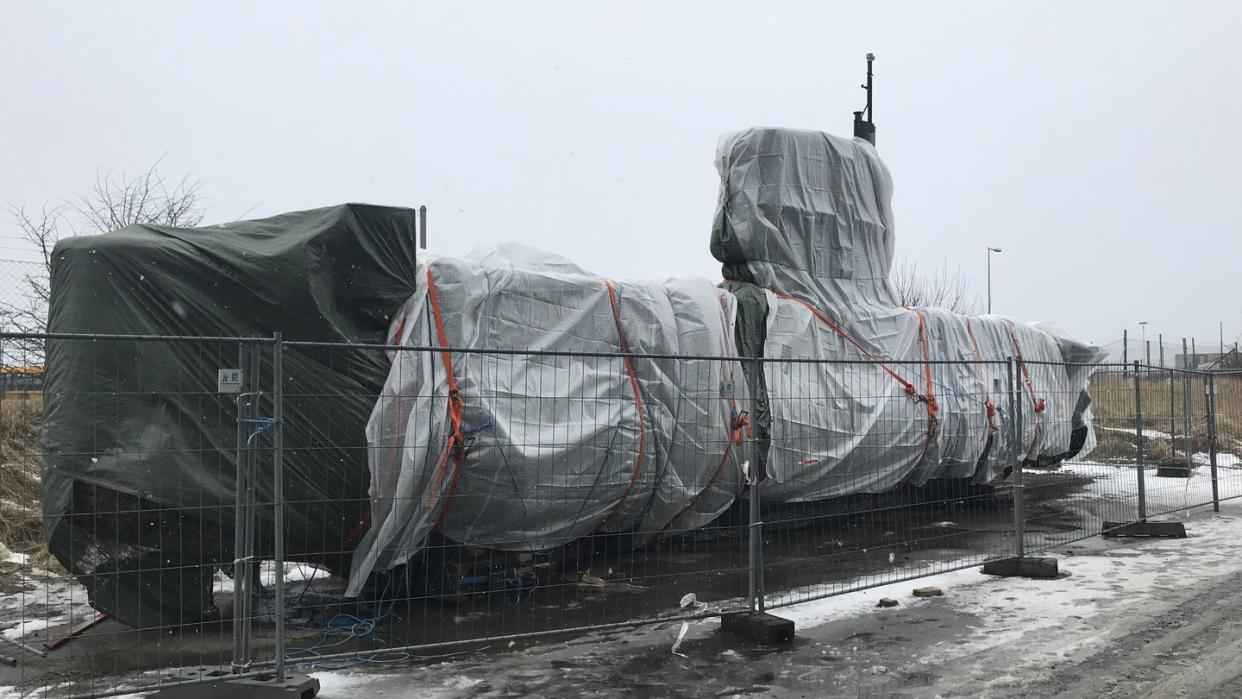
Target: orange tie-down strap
{"x": 1038, "y": 403}
{"x": 739, "y": 423}
{"x": 911, "y": 390}
{"x": 456, "y": 444}
{"x": 987, "y": 401}
{"x": 933, "y": 408}
{"x": 928, "y": 399}
{"x": 638, "y": 399}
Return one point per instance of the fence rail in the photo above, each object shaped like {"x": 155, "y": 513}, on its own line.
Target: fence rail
{"x": 332, "y": 505}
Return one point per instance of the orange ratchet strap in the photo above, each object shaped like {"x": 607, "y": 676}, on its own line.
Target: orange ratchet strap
{"x": 638, "y": 399}
{"x": 911, "y": 390}
{"x": 737, "y": 423}
{"x": 987, "y": 402}
{"x": 933, "y": 408}
{"x": 456, "y": 444}
{"x": 1038, "y": 403}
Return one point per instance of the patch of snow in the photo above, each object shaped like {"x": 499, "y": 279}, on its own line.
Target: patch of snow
{"x": 42, "y": 601}
{"x": 1072, "y": 616}
{"x": 1222, "y": 460}
{"x": 849, "y": 604}
{"x": 294, "y": 572}
{"x": 12, "y": 557}
{"x": 1150, "y": 434}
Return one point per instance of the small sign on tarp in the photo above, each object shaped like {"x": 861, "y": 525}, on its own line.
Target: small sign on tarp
{"x": 229, "y": 381}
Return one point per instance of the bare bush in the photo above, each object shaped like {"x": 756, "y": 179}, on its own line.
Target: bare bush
{"x": 113, "y": 201}
{"x": 941, "y": 288}
{"x": 116, "y": 201}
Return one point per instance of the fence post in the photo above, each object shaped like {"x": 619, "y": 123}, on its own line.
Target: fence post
{"x": 756, "y": 548}
{"x": 755, "y": 524}
{"x": 1172, "y": 404}
{"x": 1015, "y": 408}
{"x": 1138, "y": 436}
{"x": 1125, "y": 351}
{"x": 1141, "y": 527}
{"x": 1019, "y": 565}
{"x": 1186, "y": 446}
{"x": 278, "y": 494}
{"x": 756, "y": 624}
{"x": 1211, "y": 435}
{"x": 241, "y": 529}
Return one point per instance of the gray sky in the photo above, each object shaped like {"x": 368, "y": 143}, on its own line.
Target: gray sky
{"x": 1098, "y": 144}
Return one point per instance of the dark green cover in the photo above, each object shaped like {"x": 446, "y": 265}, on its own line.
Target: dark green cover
{"x": 139, "y": 448}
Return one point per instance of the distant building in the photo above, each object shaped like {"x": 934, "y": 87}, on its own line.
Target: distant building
{"x": 1208, "y": 360}
{"x": 23, "y": 382}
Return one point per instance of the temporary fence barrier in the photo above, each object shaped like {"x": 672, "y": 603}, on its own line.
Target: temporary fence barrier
{"x": 218, "y": 502}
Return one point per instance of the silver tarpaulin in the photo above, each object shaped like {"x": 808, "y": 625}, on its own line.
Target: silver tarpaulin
{"x": 543, "y": 449}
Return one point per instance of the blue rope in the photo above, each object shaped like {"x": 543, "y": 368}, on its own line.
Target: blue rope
{"x": 342, "y": 629}
{"x": 265, "y": 424}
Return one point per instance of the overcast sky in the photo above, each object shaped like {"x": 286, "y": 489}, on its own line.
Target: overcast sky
{"x": 1097, "y": 143}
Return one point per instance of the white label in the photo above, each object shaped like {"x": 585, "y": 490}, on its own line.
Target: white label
{"x": 229, "y": 381}
{"x": 1211, "y": 388}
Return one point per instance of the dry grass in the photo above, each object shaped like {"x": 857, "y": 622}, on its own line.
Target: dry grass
{"x": 21, "y": 511}
{"x": 1121, "y": 446}
{"x": 1166, "y": 405}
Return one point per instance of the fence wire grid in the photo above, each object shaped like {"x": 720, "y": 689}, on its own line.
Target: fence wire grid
{"x": 420, "y": 502}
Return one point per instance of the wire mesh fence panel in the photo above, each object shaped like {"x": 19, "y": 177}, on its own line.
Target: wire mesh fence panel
{"x": 1177, "y": 444}
{"x": 123, "y": 567}
{"x": 515, "y": 494}
{"x": 885, "y": 472}
{"x": 1098, "y": 482}
{"x": 1227, "y": 423}
{"x": 233, "y": 504}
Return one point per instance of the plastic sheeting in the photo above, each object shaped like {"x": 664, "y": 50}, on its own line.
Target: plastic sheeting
{"x": 805, "y": 218}
{"x": 552, "y": 447}
{"x": 876, "y": 394}
{"x": 139, "y": 472}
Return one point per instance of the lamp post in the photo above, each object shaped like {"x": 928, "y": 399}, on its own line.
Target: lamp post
{"x": 990, "y": 251}
{"x": 1146, "y": 347}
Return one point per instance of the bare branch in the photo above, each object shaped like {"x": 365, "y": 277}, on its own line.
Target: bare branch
{"x": 940, "y": 289}
{"x": 113, "y": 201}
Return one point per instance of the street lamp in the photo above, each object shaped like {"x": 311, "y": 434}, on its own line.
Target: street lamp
{"x": 990, "y": 251}
{"x": 1146, "y": 347}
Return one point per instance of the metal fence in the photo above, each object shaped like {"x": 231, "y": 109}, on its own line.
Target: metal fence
{"x": 249, "y": 498}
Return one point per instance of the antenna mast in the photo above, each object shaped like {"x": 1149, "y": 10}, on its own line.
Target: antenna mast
{"x": 866, "y": 129}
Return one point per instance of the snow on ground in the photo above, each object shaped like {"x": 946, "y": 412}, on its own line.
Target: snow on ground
{"x": 1222, "y": 460}
{"x": 1150, "y": 434}
{"x": 10, "y": 557}
{"x": 1060, "y": 620}
{"x": 1009, "y": 631}
{"x": 294, "y": 572}
{"x": 1005, "y": 633}
{"x": 1120, "y": 482}
{"x": 45, "y": 601}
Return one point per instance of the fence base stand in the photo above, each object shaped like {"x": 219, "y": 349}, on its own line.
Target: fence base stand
{"x": 1174, "y": 468}
{"x": 759, "y": 626}
{"x": 1171, "y": 530}
{"x": 1022, "y": 568}
{"x": 296, "y": 685}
